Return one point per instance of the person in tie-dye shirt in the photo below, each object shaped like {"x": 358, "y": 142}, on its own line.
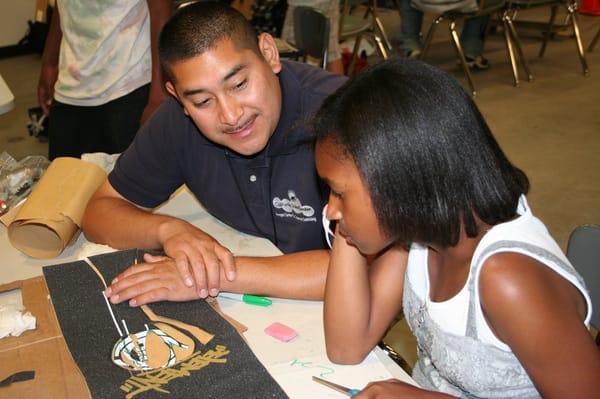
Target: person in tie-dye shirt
{"x": 100, "y": 76}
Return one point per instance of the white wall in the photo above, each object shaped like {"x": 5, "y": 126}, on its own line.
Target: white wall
{"x": 13, "y": 20}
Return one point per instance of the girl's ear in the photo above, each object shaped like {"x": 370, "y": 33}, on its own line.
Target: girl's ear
{"x": 268, "y": 49}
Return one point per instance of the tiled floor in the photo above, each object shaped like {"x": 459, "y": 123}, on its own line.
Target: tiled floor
{"x": 549, "y": 127}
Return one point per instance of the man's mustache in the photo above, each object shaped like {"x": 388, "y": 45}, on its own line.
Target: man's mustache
{"x": 240, "y": 126}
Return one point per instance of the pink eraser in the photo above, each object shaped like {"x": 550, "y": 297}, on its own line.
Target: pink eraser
{"x": 281, "y": 332}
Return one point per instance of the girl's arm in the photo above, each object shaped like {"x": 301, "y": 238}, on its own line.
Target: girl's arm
{"x": 362, "y": 298}
{"x": 540, "y": 316}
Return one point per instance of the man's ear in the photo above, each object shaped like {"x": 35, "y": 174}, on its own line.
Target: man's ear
{"x": 171, "y": 90}
{"x": 268, "y": 49}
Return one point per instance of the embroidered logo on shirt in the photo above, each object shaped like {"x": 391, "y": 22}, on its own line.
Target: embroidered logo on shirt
{"x": 292, "y": 207}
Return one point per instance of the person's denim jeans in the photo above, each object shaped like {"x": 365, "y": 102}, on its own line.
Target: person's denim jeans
{"x": 471, "y": 37}
{"x": 410, "y": 26}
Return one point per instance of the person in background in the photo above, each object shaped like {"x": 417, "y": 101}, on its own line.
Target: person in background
{"x": 236, "y": 132}
{"x": 329, "y": 8}
{"x": 472, "y": 37}
{"x": 100, "y": 77}
{"x": 432, "y": 219}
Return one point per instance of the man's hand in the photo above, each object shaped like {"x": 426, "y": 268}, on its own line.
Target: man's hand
{"x": 198, "y": 254}
{"x": 156, "y": 280}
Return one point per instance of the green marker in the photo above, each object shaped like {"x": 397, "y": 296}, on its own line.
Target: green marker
{"x": 247, "y": 298}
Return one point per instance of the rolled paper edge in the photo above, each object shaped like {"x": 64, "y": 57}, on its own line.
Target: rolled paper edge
{"x": 42, "y": 239}
{"x": 64, "y": 189}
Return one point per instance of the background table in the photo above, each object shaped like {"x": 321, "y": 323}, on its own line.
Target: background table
{"x": 7, "y": 100}
{"x": 293, "y": 363}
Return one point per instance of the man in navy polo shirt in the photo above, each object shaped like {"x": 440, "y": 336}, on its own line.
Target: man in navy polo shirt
{"x": 236, "y": 133}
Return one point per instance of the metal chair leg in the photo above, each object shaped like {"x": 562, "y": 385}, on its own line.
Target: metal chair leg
{"x": 461, "y": 56}
{"x": 430, "y": 34}
{"x": 509, "y": 48}
{"x": 590, "y": 49}
{"x": 381, "y": 46}
{"x": 384, "y": 35}
{"x": 572, "y": 8}
{"x": 517, "y": 43}
{"x": 549, "y": 31}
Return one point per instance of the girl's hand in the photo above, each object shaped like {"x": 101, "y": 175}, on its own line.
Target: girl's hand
{"x": 396, "y": 389}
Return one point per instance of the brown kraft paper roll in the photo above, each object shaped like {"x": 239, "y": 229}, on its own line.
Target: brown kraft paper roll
{"x": 50, "y": 218}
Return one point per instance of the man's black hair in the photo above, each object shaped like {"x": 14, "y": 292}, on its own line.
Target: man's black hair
{"x": 201, "y": 26}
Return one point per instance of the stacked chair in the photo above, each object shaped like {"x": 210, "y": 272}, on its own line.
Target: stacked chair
{"x": 514, "y": 6}
{"x": 358, "y": 27}
{"x": 583, "y": 251}
{"x": 484, "y": 7}
{"x": 311, "y": 33}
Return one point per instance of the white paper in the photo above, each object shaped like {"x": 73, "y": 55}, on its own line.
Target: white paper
{"x": 295, "y": 377}
{"x": 13, "y": 321}
{"x": 90, "y": 249}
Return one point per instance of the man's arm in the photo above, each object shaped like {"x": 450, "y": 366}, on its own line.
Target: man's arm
{"x": 300, "y": 275}
{"x": 49, "y": 70}
{"x": 160, "y": 11}
{"x": 110, "y": 219}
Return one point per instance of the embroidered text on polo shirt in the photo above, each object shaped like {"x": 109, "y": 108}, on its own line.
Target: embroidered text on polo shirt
{"x": 292, "y": 207}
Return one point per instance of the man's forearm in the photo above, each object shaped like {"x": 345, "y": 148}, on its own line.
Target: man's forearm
{"x": 299, "y": 275}
{"x": 120, "y": 224}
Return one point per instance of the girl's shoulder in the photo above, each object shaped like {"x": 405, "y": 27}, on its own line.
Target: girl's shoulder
{"x": 519, "y": 293}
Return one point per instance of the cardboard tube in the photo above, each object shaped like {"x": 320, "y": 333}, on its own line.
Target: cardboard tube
{"x": 49, "y": 220}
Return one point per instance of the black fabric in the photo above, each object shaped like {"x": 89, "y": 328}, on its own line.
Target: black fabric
{"x": 33, "y": 41}
{"x": 76, "y": 293}
{"x": 74, "y": 130}
{"x": 270, "y": 194}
